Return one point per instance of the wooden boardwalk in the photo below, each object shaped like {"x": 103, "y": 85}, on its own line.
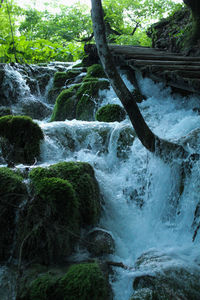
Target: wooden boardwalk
{"x": 175, "y": 70}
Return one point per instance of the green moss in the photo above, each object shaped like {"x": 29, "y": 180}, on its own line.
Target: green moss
{"x": 65, "y": 106}
{"x": 110, "y": 113}
{"x": 88, "y": 97}
{"x": 12, "y": 193}
{"x": 21, "y": 139}
{"x": 84, "y": 282}
{"x": 96, "y": 70}
{"x": 63, "y": 78}
{"x": 59, "y": 79}
{"x": 82, "y": 178}
{"x": 44, "y": 287}
{"x": 50, "y": 222}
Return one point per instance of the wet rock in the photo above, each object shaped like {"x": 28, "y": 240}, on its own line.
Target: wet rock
{"x": 4, "y": 111}
{"x": 35, "y": 109}
{"x": 169, "y": 279}
{"x": 99, "y": 242}
{"x": 191, "y": 140}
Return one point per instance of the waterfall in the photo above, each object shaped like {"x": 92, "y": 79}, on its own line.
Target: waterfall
{"x": 143, "y": 208}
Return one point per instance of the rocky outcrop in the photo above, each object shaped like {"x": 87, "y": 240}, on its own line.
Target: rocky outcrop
{"x": 168, "y": 279}
{"x": 169, "y": 34}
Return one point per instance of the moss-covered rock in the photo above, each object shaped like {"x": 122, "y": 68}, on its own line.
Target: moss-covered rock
{"x": 48, "y": 224}
{"x": 12, "y": 193}
{"x": 20, "y": 139}
{"x": 64, "y": 78}
{"x": 172, "y": 33}
{"x": 88, "y": 98}
{"x": 111, "y": 113}
{"x": 96, "y": 71}
{"x": 65, "y": 106}
{"x": 81, "y": 176}
{"x": 84, "y": 282}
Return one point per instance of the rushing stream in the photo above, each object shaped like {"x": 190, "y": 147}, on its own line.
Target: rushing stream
{"x": 143, "y": 208}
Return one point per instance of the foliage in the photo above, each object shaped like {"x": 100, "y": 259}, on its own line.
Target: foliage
{"x": 43, "y": 36}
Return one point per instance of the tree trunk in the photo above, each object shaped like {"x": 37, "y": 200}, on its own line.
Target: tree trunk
{"x": 153, "y": 143}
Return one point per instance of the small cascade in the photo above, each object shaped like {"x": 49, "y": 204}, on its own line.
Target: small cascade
{"x": 148, "y": 206}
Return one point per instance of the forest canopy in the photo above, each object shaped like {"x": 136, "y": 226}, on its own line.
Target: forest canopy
{"x": 58, "y": 33}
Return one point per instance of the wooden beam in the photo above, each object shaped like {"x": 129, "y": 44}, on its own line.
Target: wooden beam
{"x": 141, "y": 62}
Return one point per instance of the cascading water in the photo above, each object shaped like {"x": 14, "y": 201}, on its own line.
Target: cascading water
{"x": 143, "y": 207}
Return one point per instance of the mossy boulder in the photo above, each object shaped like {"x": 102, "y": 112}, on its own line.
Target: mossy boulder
{"x": 20, "y": 139}
{"x": 84, "y": 281}
{"x": 79, "y": 101}
{"x": 12, "y": 193}
{"x": 81, "y": 176}
{"x": 64, "y": 78}
{"x": 96, "y": 71}
{"x": 88, "y": 95}
{"x": 48, "y": 224}
{"x": 111, "y": 113}
{"x": 65, "y": 106}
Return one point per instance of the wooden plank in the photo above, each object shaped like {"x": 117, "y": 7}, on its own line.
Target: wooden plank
{"x": 164, "y": 57}
{"x": 154, "y": 68}
{"x": 137, "y": 62}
